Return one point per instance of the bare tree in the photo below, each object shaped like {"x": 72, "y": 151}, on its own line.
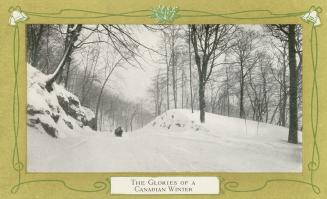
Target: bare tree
{"x": 206, "y": 40}
{"x": 288, "y": 33}
{"x": 89, "y": 73}
{"x": 110, "y": 66}
{"x": 171, "y": 42}
{"x": 157, "y": 90}
{"x": 280, "y": 75}
{"x": 34, "y": 35}
{"x": 244, "y": 49}
{"x": 71, "y": 38}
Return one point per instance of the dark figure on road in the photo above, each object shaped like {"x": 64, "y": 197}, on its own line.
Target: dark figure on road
{"x": 118, "y": 132}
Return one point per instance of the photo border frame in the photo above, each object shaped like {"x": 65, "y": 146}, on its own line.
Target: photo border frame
{"x": 162, "y": 15}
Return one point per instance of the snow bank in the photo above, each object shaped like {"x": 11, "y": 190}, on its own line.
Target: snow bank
{"x": 57, "y": 113}
{"x": 183, "y": 120}
{"x": 175, "y": 120}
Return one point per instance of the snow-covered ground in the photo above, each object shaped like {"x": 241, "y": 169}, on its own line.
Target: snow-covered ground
{"x": 174, "y": 142}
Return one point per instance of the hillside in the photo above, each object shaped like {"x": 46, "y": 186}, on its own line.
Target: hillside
{"x": 183, "y": 120}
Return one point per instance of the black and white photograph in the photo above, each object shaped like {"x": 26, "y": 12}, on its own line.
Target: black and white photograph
{"x": 164, "y": 98}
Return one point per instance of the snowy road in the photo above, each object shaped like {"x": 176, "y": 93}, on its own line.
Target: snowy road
{"x": 160, "y": 151}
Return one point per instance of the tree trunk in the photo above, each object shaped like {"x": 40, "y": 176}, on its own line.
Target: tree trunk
{"x": 227, "y": 88}
{"x": 132, "y": 118}
{"x": 47, "y": 51}
{"x": 242, "y": 94}
{"x": 182, "y": 89}
{"x": 67, "y": 71}
{"x": 202, "y": 103}
{"x": 157, "y": 96}
{"x": 98, "y": 106}
{"x": 37, "y": 46}
{"x": 284, "y": 92}
{"x": 173, "y": 70}
{"x": 190, "y": 57}
{"x": 167, "y": 86}
{"x": 113, "y": 120}
{"x": 101, "y": 116}
{"x": 131, "y": 124}
{"x": 292, "y": 136}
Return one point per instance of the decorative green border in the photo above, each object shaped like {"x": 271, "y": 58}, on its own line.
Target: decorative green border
{"x": 166, "y": 15}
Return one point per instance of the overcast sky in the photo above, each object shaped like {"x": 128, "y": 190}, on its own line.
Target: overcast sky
{"x": 136, "y": 81}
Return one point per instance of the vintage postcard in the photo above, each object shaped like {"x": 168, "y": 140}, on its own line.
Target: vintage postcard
{"x": 153, "y": 99}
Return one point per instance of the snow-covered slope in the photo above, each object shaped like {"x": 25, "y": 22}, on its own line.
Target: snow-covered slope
{"x": 183, "y": 120}
{"x": 174, "y": 141}
{"x": 57, "y": 113}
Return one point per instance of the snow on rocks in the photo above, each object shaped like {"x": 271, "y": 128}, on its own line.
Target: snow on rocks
{"x": 175, "y": 120}
{"x": 57, "y": 113}
{"x": 71, "y": 105}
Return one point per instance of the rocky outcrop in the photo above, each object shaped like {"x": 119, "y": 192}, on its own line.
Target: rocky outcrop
{"x": 73, "y": 108}
{"x": 57, "y": 111}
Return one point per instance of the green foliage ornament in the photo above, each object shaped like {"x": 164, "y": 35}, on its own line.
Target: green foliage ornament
{"x": 164, "y": 15}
